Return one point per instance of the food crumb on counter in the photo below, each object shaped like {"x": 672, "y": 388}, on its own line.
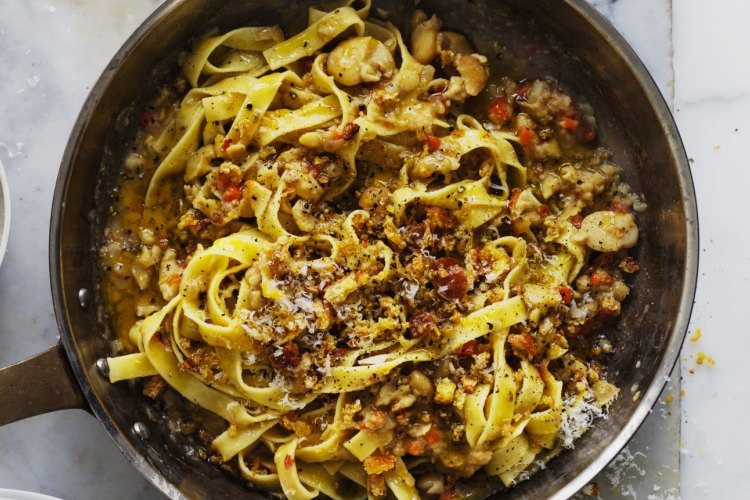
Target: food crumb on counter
{"x": 702, "y": 357}
{"x": 696, "y": 336}
{"x": 591, "y": 489}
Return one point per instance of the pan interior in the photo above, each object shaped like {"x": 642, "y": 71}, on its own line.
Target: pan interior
{"x": 549, "y": 38}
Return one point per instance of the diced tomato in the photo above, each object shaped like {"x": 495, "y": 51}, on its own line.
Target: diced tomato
{"x": 349, "y": 131}
{"x": 523, "y": 343}
{"x": 287, "y": 357}
{"x": 602, "y": 316}
{"x": 224, "y": 145}
{"x": 525, "y": 136}
{"x": 222, "y": 181}
{"x": 433, "y": 436}
{"x": 589, "y": 326}
{"x": 146, "y": 118}
{"x": 570, "y": 112}
{"x": 432, "y": 142}
{"x": 440, "y": 218}
{"x": 587, "y": 134}
{"x": 566, "y": 294}
{"x": 600, "y": 277}
{"x": 514, "y": 195}
{"x": 338, "y": 353}
{"x": 618, "y": 206}
{"x": 449, "y": 277}
{"x": 449, "y": 495}
{"x": 232, "y": 193}
{"x": 467, "y": 349}
{"x": 346, "y": 133}
{"x": 415, "y": 448}
{"x": 500, "y": 111}
{"x": 569, "y": 124}
{"x": 415, "y": 232}
{"x": 313, "y": 171}
{"x": 577, "y": 220}
{"x": 421, "y": 324}
{"x": 523, "y": 90}
{"x": 543, "y": 210}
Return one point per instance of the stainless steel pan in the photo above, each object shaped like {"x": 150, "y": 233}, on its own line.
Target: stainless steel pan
{"x": 565, "y": 39}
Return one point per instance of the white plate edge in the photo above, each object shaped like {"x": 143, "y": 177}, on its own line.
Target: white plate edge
{"x": 5, "y": 222}
{"x": 23, "y": 495}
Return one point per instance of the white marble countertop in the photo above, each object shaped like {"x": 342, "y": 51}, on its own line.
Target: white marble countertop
{"x": 52, "y": 51}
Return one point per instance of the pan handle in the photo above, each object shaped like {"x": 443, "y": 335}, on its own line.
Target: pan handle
{"x": 40, "y": 384}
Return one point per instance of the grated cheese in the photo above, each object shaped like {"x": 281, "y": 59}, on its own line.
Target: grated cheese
{"x": 410, "y": 289}
{"x": 578, "y": 415}
{"x": 575, "y": 311}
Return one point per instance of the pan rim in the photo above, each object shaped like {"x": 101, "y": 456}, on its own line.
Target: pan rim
{"x": 674, "y": 143}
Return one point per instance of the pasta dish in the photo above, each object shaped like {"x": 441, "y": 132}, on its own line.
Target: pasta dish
{"x": 370, "y": 266}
